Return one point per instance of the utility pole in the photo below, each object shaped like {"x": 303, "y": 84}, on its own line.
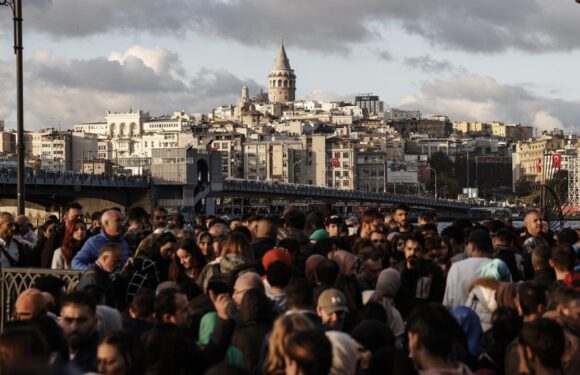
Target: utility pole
{"x": 16, "y": 6}
{"x": 467, "y": 170}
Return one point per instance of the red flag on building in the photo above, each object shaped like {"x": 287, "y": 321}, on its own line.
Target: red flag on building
{"x": 335, "y": 163}
{"x": 538, "y": 165}
{"x": 557, "y": 160}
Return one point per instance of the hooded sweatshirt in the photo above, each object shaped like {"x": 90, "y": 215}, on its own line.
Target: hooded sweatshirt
{"x": 482, "y": 300}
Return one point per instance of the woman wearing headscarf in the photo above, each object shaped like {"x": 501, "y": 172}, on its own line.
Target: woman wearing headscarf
{"x": 388, "y": 285}
{"x": 311, "y": 263}
{"x": 348, "y": 263}
{"x": 344, "y": 353}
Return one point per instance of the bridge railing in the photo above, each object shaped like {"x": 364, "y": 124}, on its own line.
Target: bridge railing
{"x": 71, "y": 178}
{"x": 306, "y": 191}
{"x": 16, "y": 280}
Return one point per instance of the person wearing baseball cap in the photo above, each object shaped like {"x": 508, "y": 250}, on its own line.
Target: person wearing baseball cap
{"x": 332, "y": 309}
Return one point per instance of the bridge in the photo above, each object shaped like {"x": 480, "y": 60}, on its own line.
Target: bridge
{"x": 51, "y": 189}
{"x": 54, "y": 189}
{"x": 260, "y": 189}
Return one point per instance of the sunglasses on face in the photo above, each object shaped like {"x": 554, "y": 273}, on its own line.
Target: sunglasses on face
{"x": 379, "y": 241}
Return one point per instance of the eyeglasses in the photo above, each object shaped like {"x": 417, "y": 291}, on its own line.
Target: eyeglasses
{"x": 379, "y": 241}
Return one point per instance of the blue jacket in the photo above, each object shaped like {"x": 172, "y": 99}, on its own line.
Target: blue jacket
{"x": 90, "y": 251}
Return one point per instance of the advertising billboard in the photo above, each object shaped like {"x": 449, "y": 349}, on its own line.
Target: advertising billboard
{"x": 401, "y": 172}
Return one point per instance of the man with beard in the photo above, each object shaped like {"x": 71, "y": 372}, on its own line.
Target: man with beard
{"x": 78, "y": 320}
{"x": 13, "y": 253}
{"x": 401, "y": 216}
{"x": 422, "y": 280}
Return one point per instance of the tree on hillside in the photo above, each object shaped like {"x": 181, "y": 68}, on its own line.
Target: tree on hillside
{"x": 441, "y": 163}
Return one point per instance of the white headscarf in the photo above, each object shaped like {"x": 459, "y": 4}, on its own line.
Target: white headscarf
{"x": 344, "y": 353}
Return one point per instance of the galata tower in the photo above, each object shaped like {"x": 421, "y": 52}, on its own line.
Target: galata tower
{"x": 282, "y": 80}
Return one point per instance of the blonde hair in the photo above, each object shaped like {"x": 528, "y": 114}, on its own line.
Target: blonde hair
{"x": 284, "y": 326}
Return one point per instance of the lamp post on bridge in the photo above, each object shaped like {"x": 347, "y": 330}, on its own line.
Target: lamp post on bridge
{"x": 435, "y": 173}
{"x": 16, "y": 6}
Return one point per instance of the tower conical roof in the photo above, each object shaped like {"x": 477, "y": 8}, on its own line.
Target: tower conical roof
{"x": 282, "y": 62}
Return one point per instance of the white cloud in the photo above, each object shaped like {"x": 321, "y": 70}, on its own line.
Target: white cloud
{"x": 479, "y": 98}
{"x": 543, "y": 120}
{"x": 324, "y": 96}
{"x": 73, "y": 91}
{"x": 489, "y": 26}
{"x": 159, "y": 59}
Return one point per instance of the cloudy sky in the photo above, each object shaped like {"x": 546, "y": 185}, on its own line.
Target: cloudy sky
{"x": 511, "y": 61}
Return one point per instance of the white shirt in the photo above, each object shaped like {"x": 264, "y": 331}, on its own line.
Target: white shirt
{"x": 460, "y": 275}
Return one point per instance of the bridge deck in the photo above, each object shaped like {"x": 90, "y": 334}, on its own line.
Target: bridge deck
{"x": 78, "y": 179}
{"x": 232, "y": 186}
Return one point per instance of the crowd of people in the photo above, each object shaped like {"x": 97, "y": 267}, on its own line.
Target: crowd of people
{"x": 296, "y": 294}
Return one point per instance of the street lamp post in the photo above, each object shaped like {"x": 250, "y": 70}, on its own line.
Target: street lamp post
{"x": 16, "y": 6}
{"x": 435, "y": 173}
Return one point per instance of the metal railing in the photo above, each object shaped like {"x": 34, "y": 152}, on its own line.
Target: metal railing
{"x": 16, "y": 280}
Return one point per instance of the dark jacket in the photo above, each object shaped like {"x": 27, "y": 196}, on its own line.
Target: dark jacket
{"x": 545, "y": 277}
{"x": 213, "y": 353}
{"x": 95, "y": 275}
{"x": 136, "y": 327}
{"x": 508, "y": 256}
{"x": 86, "y": 358}
{"x": 261, "y": 246}
{"x": 256, "y": 316}
{"x": 419, "y": 285}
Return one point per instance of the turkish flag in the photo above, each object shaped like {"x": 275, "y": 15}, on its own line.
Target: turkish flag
{"x": 538, "y": 165}
{"x": 557, "y": 160}
{"x": 335, "y": 163}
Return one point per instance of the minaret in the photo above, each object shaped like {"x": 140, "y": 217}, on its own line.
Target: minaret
{"x": 245, "y": 95}
{"x": 282, "y": 80}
